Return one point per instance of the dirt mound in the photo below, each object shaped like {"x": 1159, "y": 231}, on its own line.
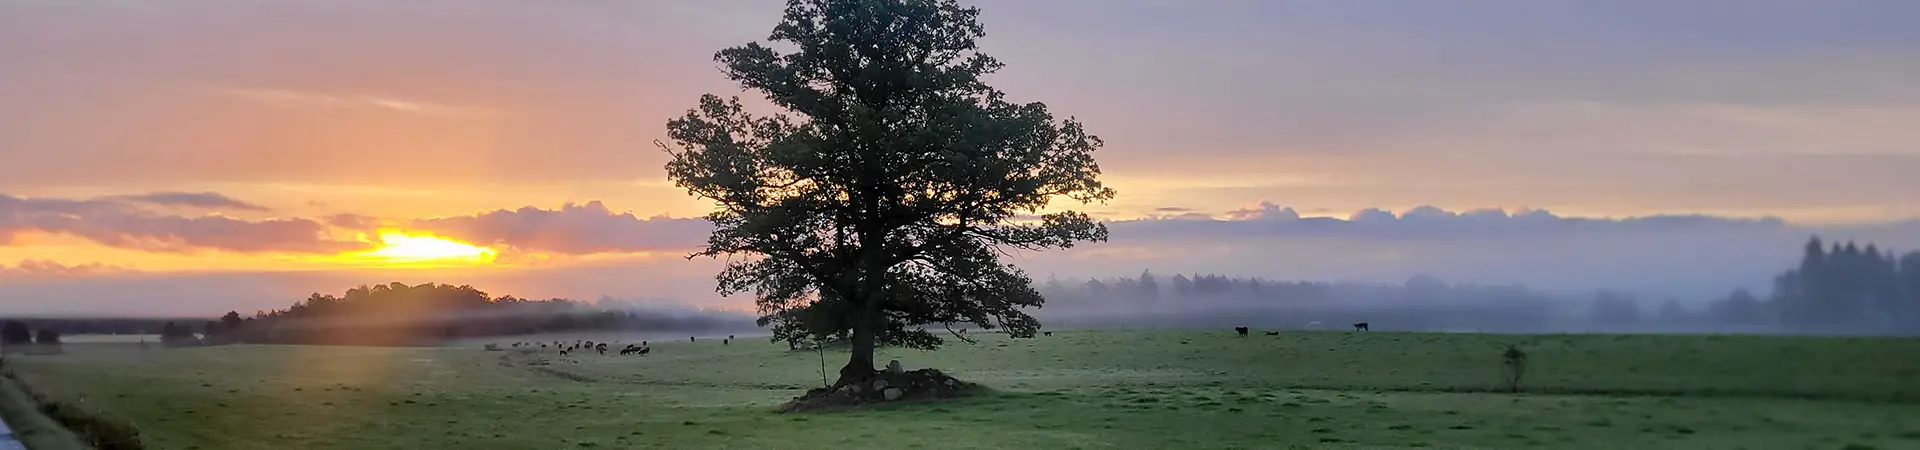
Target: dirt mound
{"x": 883, "y": 387}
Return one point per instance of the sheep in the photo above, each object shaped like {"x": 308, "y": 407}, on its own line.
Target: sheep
{"x": 602, "y": 348}
{"x": 1241, "y": 330}
{"x": 1362, "y": 326}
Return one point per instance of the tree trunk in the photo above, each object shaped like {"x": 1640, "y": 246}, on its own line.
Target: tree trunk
{"x": 859, "y": 366}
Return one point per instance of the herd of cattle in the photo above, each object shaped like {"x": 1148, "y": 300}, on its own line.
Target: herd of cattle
{"x": 1362, "y": 326}
{"x": 641, "y": 349}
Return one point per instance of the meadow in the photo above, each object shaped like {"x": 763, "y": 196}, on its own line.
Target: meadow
{"x": 1085, "y": 390}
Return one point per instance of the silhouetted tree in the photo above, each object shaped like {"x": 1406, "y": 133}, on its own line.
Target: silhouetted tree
{"x": 1672, "y": 312}
{"x": 1740, "y": 307}
{"x": 15, "y": 332}
{"x": 880, "y": 202}
{"x": 1148, "y": 286}
{"x": 1182, "y": 285}
{"x": 47, "y": 336}
{"x": 1613, "y": 308}
{"x": 231, "y": 321}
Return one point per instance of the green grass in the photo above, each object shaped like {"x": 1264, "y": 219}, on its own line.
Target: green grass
{"x": 36, "y": 430}
{"x": 1174, "y": 390}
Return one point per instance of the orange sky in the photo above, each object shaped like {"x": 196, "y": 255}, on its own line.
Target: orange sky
{"x": 491, "y": 117}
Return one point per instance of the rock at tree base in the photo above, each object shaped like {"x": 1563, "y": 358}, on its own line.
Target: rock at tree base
{"x": 885, "y": 386}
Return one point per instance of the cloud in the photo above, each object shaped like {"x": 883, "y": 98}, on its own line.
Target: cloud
{"x": 575, "y": 229}
{"x": 40, "y": 269}
{"x": 352, "y": 221}
{"x": 1265, "y": 210}
{"x": 325, "y": 100}
{"x": 1268, "y": 220}
{"x": 203, "y": 200}
{"x": 121, "y": 223}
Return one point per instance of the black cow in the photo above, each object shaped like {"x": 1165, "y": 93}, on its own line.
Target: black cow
{"x": 1241, "y": 330}
{"x": 1047, "y": 333}
{"x": 1362, "y": 326}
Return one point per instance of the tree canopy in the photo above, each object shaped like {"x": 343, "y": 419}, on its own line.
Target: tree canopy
{"x": 879, "y": 201}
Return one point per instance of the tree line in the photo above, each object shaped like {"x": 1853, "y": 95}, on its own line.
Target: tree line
{"x": 393, "y": 314}
{"x": 1837, "y": 288}
{"x": 399, "y": 314}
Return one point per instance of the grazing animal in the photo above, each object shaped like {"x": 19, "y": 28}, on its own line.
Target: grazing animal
{"x": 725, "y": 341}
{"x": 563, "y": 353}
{"x": 643, "y": 343}
{"x": 1273, "y": 333}
{"x": 628, "y": 351}
{"x": 602, "y": 348}
{"x": 1047, "y": 333}
{"x": 644, "y": 350}
{"x": 1362, "y": 326}
{"x": 729, "y": 337}
{"x": 690, "y": 339}
{"x": 1241, "y": 330}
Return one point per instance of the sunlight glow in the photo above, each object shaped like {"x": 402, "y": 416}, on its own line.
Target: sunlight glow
{"x": 401, "y": 248}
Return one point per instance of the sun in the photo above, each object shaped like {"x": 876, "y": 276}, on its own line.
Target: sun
{"x": 400, "y": 247}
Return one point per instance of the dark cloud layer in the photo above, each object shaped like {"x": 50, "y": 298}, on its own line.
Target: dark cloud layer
{"x": 122, "y": 222}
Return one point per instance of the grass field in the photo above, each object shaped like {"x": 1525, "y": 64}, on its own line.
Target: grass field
{"x": 1089, "y": 390}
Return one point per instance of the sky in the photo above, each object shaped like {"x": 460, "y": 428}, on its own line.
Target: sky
{"x": 187, "y": 157}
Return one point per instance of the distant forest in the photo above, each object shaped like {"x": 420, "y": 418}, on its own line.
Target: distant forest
{"x": 1837, "y": 288}
{"x": 399, "y": 314}
{"x": 1842, "y": 288}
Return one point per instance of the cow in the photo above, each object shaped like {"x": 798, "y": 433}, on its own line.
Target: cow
{"x": 1241, "y": 330}
{"x": 1273, "y": 333}
{"x": 1047, "y": 333}
{"x": 1362, "y": 326}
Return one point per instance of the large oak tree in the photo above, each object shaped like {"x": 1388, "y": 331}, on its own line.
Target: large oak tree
{"x": 878, "y": 203}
